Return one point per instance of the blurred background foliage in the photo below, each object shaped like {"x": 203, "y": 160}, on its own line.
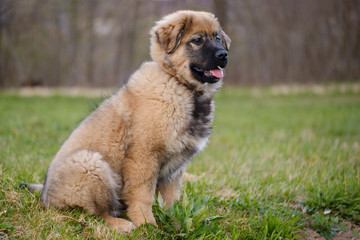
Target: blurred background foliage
{"x": 100, "y": 43}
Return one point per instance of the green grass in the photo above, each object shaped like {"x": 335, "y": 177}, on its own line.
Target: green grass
{"x": 277, "y": 164}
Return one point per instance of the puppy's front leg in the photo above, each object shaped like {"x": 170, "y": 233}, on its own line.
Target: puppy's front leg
{"x": 170, "y": 190}
{"x": 139, "y": 190}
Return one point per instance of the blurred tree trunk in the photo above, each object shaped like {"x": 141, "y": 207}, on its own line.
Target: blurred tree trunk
{"x": 73, "y": 49}
{"x": 132, "y": 33}
{"x": 91, "y": 7}
{"x": 10, "y": 60}
{"x": 2, "y": 52}
{"x": 126, "y": 40}
{"x": 119, "y": 43}
{"x": 350, "y": 44}
{"x": 220, "y": 11}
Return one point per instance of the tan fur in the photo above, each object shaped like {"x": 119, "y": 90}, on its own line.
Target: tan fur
{"x": 137, "y": 143}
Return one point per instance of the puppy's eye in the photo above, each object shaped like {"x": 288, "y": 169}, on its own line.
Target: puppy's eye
{"x": 218, "y": 39}
{"x": 197, "y": 41}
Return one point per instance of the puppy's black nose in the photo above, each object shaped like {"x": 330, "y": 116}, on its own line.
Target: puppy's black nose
{"x": 221, "y": 54}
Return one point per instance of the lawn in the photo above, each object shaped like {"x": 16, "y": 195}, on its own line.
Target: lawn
{"x": 282, "y": 163}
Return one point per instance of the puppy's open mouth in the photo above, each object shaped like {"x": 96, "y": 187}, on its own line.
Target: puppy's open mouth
{"x": 210, "y": 76}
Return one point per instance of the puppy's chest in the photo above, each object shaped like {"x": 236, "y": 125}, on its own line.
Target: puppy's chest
{"x": 191, "y": 140}
{"x": 194, "y": 134}
{"x": 201, "y": 116}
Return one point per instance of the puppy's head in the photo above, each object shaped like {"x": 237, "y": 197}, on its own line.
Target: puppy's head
{"x": 192, "y": 46}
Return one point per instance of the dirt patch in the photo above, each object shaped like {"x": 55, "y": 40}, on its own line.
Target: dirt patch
{"x": 188, "y": 177}
{"x": 311, "y": 234}
{"x": 314, "y": 88}
{"x": 227, "y": 193}
{"x": 64, "y": 91}
{"x": 352, "y": 232}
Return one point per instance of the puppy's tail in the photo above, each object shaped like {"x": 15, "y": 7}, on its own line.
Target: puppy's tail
{"x": 32, "y": 187}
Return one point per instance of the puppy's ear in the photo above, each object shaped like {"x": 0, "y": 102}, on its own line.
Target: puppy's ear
{"x": 169, "y": 31}
{"x": 225, "y": 40}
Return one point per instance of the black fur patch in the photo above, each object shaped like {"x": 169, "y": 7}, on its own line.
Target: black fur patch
{"x": 24, "y": 185}
{"x": 43, "y": 196}
{"x": 200, "y": 125}
{"x": 175, "y": 163}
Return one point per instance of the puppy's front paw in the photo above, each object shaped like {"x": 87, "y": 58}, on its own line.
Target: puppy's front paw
{"x": 120, "y": 224}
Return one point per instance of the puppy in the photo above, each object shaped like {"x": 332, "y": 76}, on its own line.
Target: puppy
{"x": 137, "y": 143}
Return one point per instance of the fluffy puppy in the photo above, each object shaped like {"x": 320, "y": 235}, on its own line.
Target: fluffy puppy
{"x": 138, "y": 142}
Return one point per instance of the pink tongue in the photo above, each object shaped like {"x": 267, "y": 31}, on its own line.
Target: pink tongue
{"x": 218, "y": 73}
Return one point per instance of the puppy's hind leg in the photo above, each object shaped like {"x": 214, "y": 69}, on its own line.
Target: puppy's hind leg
{"x": 84, "y": 179}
